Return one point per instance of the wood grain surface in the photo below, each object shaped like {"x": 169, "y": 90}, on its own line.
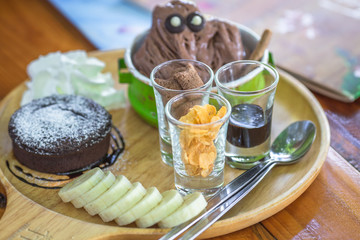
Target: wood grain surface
{"x": 141, "y": 162}
{"x": 327, "y": 210}
{"x": 27, "y": 34}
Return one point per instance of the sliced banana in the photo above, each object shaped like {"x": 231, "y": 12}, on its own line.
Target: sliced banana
{"x": 134, "y": 195}
{"x": 116, "y": 198}
{"x": 170, "y": 202}
{"x": 81, "y": 184}
{"x": 114, "y": 193}
{"x": 95, "y": 192}
{"x": 149, "y": 201}
{"x": 193, "y": 204}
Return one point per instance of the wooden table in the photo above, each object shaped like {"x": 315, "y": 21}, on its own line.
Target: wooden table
{"x": 329, "y": 209}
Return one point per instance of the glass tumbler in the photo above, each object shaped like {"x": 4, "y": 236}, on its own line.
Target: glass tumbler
{"x": 250, "y": 88}
{"x": 164, "y": 93}
{"x": 198, "y": 125}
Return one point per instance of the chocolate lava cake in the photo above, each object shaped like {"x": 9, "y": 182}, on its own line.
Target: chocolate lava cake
{"x": 60, "y": 133}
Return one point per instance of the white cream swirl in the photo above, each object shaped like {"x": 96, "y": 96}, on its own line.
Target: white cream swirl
{"x": 72, "y": 73}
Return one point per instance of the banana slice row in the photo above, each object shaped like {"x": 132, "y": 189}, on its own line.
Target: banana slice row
{"x": 116, "y": 198}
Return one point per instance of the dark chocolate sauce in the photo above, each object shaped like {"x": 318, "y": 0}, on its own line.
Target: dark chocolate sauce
{"x": 118, "y": 146}
{"x": 248, "y": 126}
{"x": 2, "y": 200}
{"x": 19, "y": 169}
{"x": 25, "y": 181}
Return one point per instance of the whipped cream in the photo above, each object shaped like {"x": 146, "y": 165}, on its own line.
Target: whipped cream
{"x": 72, "y": 73}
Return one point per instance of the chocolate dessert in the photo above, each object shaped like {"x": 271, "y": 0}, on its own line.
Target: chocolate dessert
{"x": 60, "y": 133}
{"x": 179, "y": 31}
{"x": 180, "y": 76}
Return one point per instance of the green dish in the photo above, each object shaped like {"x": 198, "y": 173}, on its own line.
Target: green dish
{"x": 141, "y": 95}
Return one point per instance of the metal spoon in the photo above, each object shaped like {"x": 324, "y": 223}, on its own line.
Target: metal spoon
{"x": 288, "y": 147}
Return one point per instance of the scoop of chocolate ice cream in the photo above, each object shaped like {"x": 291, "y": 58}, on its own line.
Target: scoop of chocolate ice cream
{"x": 179, "y": 31}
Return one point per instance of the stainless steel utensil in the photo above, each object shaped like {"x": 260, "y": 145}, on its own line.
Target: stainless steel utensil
{"x": 291, "y": 144}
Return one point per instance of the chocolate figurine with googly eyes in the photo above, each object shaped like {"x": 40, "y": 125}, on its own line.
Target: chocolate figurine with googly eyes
{"x": 175, "y": 23}
{"x": 180, "y": 31}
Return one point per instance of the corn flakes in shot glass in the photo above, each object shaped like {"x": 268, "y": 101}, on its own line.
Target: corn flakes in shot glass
{"x": 198, "y": 125}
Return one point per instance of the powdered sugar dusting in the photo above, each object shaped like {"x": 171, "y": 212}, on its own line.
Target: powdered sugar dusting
{"x": 58, "y": 124}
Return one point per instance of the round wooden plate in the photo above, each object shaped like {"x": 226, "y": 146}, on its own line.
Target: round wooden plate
{"x": 33, "y": 211}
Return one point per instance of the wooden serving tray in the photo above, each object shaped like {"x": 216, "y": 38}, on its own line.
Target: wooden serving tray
{"x": 36, "y": 213}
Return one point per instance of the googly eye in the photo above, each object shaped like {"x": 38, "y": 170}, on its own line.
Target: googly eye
{"x": 175, "y": 23}
{"x": 195, "y": 21}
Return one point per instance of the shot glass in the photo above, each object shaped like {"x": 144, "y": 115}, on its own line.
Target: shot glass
{"x": 250, "y": 88}
{"x": 164, "y": 94}
{"x": 198, "y": 125}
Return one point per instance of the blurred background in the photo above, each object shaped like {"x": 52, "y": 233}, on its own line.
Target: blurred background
{"x": 315, "y": 40}
{"x": 108, "y": 24}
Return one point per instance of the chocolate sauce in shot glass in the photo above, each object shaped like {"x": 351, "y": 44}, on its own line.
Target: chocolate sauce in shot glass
{"x": 249, "y": 130}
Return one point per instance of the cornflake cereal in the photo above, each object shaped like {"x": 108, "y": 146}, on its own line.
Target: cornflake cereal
{"x": 197, "y": 142}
